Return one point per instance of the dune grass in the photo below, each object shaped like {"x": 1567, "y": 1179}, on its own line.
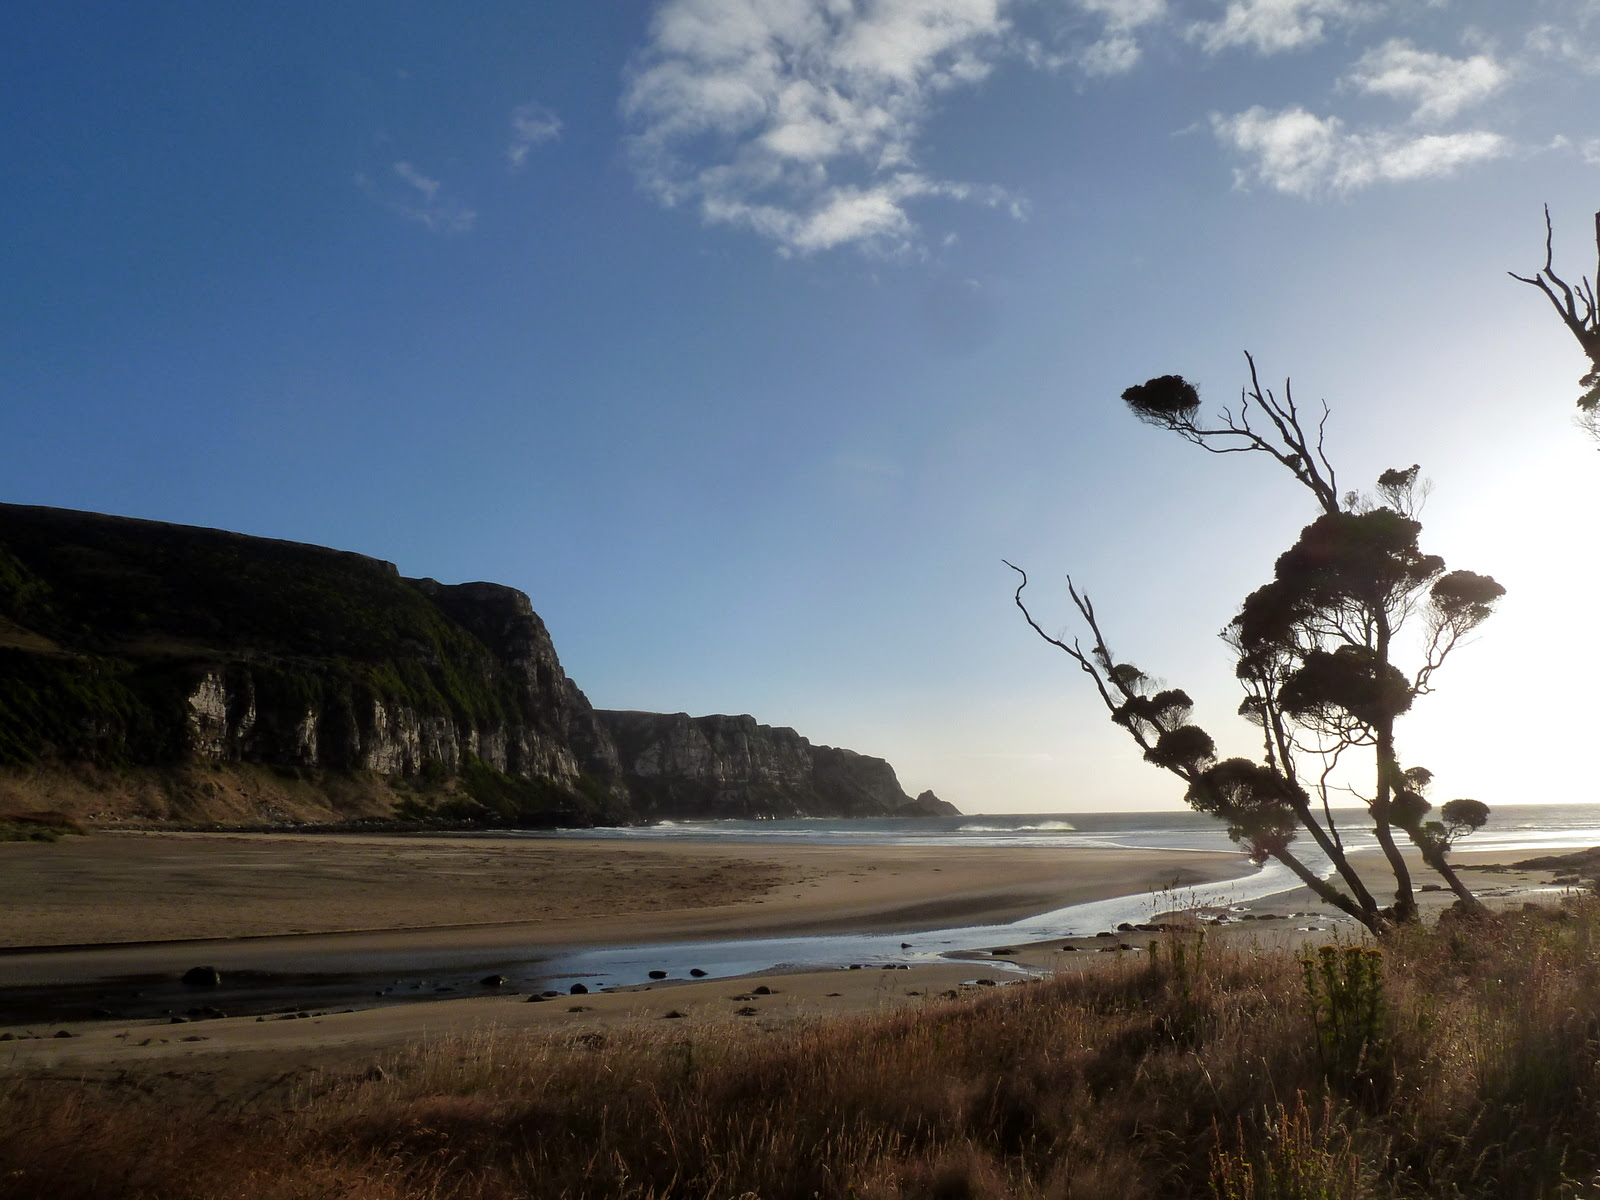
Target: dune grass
{"x": 1459, "y": 1062}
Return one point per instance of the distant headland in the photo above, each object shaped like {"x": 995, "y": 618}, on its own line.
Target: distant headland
{"x": 167, "y": 674}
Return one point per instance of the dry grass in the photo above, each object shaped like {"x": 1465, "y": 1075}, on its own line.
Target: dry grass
{"x": 1205, "y": 1074}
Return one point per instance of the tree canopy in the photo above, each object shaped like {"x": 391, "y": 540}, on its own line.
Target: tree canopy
{"x": 1335, "y": 649}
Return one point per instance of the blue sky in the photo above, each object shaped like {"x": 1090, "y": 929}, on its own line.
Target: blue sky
{"x": 748, "y": 336}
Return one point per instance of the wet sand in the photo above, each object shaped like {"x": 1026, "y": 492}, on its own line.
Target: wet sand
{"x": 815, "y": 889}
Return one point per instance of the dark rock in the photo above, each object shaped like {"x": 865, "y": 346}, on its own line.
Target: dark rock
{"x": 62, "y": 1033}
{"x": 177, "y": 1020}
{"x": 984, "y": 982}
{"x": 202, "y": 977}
{"x": 697, "y": 973}
{"x": 8, "y": 1037}
{"x": 538, "y": 1000}
{"x": 1069, "y": 949}
{"x": 746, "y": 1011}
{"x": 1151, "y": 928}
{"x": 549, "y": 995}
{"x": 658, "y": 974}
{"x": 578, "y": 1008}
{"x": 855, "y": 966}
{"x": 673, "y": 1015}
{"x": 1124, "y": 927}
{"x": 102, "y": 1014}
{"x": 763, "y": 990}
{"x": 1105, "y": 933}
{"x": 577, "y": 989}
{"x": 1003, "y": 953}
{"x": 493, "y": 981}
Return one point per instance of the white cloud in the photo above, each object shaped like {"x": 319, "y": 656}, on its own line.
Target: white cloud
{"x": 420, "y": 199}
{"x": 1591, "y": 152}
{"x": 1272, "y": 26}
{"x": 1118, "y": 51}
{"x": 798, "y": 118}
{"x": 531, "y": 125}
{"x": 1438, "y": 86}
{"x": 1564, "y": 46}
{"x": 1303, "y": 154}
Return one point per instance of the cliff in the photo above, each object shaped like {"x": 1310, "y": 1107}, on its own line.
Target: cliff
{"x": 184, "y": 662}
{"x": 675, "y": 765}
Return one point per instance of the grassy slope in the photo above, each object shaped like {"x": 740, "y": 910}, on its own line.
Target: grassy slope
{"x": 1477, "y": 1074}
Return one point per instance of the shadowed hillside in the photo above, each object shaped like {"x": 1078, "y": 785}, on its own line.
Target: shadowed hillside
{"x": 174, "y": 663}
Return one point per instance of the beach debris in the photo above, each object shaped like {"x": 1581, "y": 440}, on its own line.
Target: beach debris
{"x": 202, "y": 977}
{"x": 697, "y": 973}
{"x": 578, "y": 1008}
{"x": 658, "y": 974}
{"x": 577, "y": 989}
{"x": 748, "y": 1010}
{"x": 952, "y": 994}
{"x": 592, "y": 1040}
{"x": 494, "y": 981}
{"x": 742, "y": 996}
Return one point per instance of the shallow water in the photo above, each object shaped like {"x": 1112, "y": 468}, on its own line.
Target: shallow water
{"x": 1524, "y": 831}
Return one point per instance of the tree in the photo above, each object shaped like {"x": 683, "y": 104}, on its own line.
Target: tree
{"x": 1579, "y": 312}
{"x": 1315, "y": 652}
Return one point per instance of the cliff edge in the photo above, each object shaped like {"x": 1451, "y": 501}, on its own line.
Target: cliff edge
{"x": 160, "y": 672}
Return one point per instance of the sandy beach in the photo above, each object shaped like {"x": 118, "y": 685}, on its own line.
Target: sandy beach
{"x": 153, "y": 904}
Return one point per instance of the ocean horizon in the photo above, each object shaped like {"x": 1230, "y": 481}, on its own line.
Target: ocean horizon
{"x": 1525, "y": 828}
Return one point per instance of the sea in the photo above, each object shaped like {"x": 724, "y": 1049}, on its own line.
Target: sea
{"x": 1521, "y": 831}
{"x": 1528, "y": 829}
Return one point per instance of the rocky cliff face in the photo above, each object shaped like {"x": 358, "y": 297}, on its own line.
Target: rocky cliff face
{"x": 675, "y": 765}
{"x": 128, "y": 642}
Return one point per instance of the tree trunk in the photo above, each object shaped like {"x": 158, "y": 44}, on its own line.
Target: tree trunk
{"x": 1405, "y": 901}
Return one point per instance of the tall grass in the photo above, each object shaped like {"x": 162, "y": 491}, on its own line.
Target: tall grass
{"x": 1461, "y": 1062}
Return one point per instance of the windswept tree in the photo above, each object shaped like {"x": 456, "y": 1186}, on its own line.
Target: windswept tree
{"x": 1575, "y": 304}
{"x": 1322, "y": 659}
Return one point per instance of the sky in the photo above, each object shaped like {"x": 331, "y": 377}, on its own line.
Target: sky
{"x": 748, "y": 336}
